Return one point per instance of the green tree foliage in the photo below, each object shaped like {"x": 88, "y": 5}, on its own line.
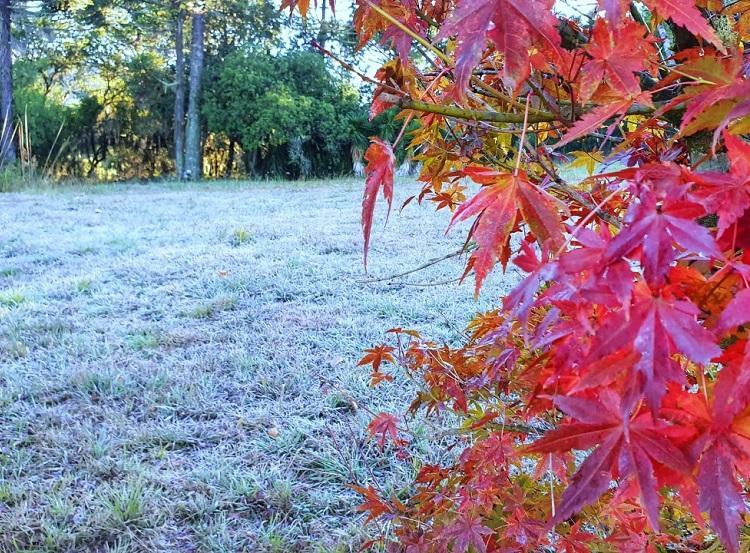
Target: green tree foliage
{"x": 288, "y": 113}
{"x": 96, "y": 82}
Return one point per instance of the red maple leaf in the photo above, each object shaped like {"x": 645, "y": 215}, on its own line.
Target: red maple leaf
{"x": 377, "y": 356}
{"x": 719, "y": 85}
{"x": 469, "y": 22}
{"x": 686, "y": 14}
{"x": 721, "y": 494}
{"x": 374, "y": 505}
{"x": 727, "y": 447}
{"x": 737, "y": 312}
{"x": 614, "y": 9}
{"x": 466, "y": 531}
{"x": 512, "y": 25}
{"x": 617, "y": 54}
{"x": 728, "y": 194}
{"x": 379, "y": 170}
{"x": 384, "y": 427}
{"x": 654, "y": 227}
{"x": 626, "y": 447}
{"x": 594, "y": 119}
{"x": 498, "y": 205}
{"x": 656, "y": 327}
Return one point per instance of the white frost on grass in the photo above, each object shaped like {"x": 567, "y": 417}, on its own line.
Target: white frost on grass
{"x": 177, "y": 362}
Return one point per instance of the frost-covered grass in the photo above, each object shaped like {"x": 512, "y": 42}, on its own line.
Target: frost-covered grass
{"x": 178, "y": 363}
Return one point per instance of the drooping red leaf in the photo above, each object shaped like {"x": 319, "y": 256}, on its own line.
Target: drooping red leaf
{"x": 513, "y": 40}
{"x": 686, "y": 14}
{"x": 720, "y": 494}
{"x": 498, "y": 206}
{"x": 379, "y": 170}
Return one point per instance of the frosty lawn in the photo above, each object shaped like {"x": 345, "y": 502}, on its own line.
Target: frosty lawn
{"x": 177, "y": 365}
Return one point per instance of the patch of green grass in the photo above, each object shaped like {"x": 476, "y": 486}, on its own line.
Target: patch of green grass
{"x": 8, "y": 272}
{"x": 127, "y": 504}
{"x": 143, "y": 340}
{"x": 86, "y": 250}
{"x": 222, "y": 303}
{"x": 98, "y": 385}
{"x": 240, "y": 236}
{"x": 121, "y": 244}
{"x": 84, "y": 286}
{"x": 12, "y": 299}
{"x": 7, "y": 496}
{"x": 100, "y": 448}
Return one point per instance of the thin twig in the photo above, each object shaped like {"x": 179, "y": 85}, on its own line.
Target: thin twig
{"x": 422, "y": 267}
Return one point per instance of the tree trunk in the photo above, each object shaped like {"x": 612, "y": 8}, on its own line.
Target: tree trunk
{"x": 250, "y": 162}
{"x": 230, "y": 159}
{"x": 193, "y": 132}
{"x": 7, "y": 141}
{"x": 179, "y": 96}
{"x": 323, "y": 31}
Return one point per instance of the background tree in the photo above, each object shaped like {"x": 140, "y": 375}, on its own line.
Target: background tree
{"x": 79, "y": 65}
{"x": 179, "y": 90}
{"x": 193, "y": 154}
{"x": 7, "y": 146}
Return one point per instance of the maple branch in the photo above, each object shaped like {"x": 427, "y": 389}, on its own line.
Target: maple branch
{"x": 422, "y": 267}
{"x": 564, "y": 188}
{"x": 535, "y": 116}
{"x": 518, "y": 428}
{"x": 469, "y": 114}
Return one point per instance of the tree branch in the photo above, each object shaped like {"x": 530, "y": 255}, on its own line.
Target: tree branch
{"x": 468, "y": 114}
{"x": 485, "y": 115}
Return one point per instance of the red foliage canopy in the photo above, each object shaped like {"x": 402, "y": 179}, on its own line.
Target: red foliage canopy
{"x": 620, "y": 365}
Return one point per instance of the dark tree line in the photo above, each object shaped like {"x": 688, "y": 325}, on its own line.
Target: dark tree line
{"x": 119, "y": 89}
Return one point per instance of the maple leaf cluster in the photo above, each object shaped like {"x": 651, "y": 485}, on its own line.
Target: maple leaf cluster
{"x": 605, "y": 403}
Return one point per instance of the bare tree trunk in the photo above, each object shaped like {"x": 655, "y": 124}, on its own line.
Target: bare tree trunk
{"x": 230, "y": 159}
{"x": 193, "y": 133}
{"x": 7, "y": 141}
{"x": 179, "y": 96}
{"x": 323, "y": 31}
